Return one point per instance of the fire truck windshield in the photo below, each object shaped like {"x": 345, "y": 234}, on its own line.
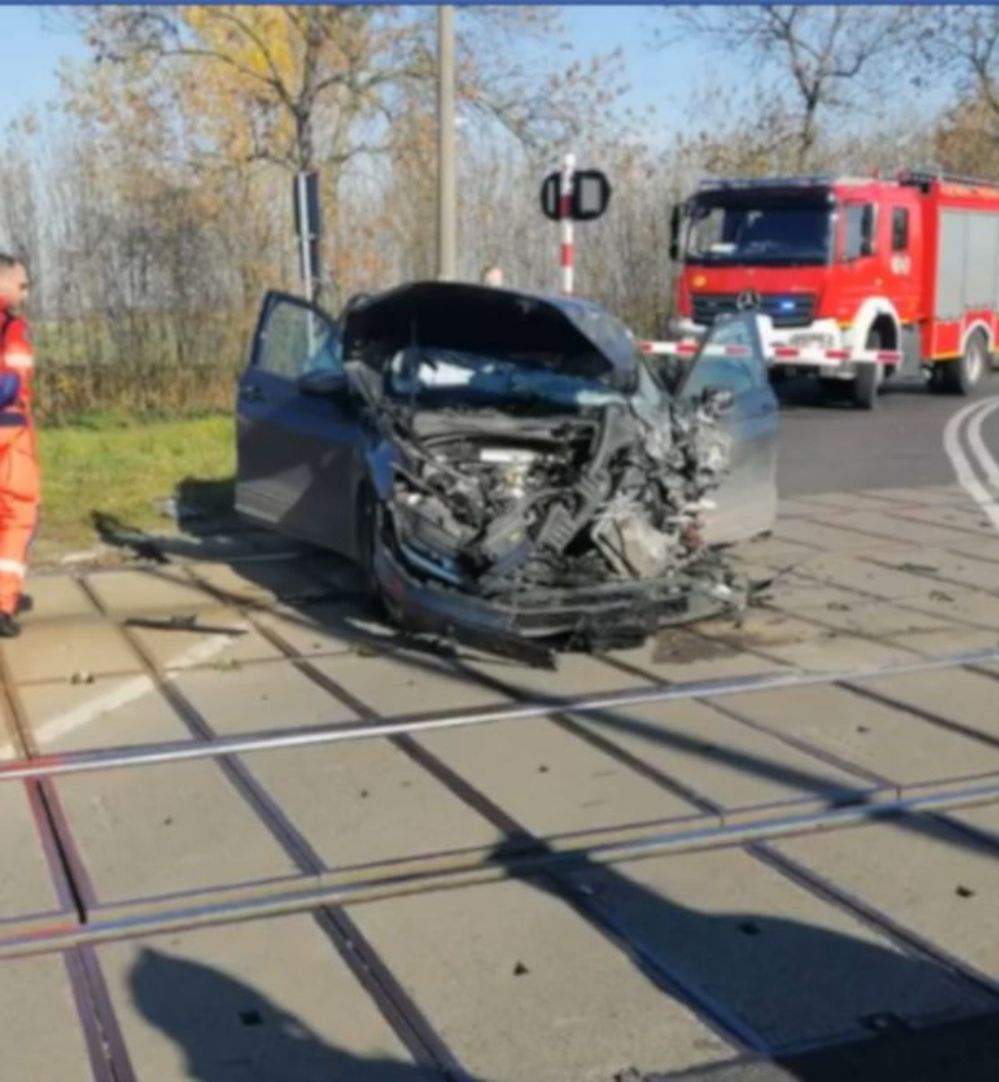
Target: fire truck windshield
{"x": 754, "y": 228}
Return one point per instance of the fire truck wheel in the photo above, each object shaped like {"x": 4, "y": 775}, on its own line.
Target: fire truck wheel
{"x": 868, "y": 380}
{"x": 962, "y": 376}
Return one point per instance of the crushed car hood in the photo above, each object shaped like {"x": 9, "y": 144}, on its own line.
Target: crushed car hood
{"x": 570, "y": 336}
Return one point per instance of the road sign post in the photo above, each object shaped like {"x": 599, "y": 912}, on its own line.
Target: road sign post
{"x": 566, "y": 223}
{"x": 568, "y": 196}
{"x": 308, "y": 228}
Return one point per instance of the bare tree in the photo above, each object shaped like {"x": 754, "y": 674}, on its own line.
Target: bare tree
{"x": 827, "y": 57}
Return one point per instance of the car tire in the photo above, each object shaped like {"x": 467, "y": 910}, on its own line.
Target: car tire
{"x": 867, "y": 383}
{"x": 962, "y": 376}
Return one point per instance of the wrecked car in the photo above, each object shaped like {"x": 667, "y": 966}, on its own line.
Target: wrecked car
{"x": 508, "y": 468}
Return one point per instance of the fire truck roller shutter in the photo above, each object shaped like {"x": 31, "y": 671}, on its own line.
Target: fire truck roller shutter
{"x": 967, "y": 282}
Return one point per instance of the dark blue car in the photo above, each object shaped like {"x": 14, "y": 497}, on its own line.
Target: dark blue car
{"x": 508, "y": 468}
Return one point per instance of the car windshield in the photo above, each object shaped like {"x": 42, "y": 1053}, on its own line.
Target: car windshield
{"x": 762, "y": 230}
{"x": 441, "y": 377}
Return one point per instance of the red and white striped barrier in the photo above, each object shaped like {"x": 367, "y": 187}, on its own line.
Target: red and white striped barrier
{"x": 565, "y": 221}
{"x": 778, "y": 354}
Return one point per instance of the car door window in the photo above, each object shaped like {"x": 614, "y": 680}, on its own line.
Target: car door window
{"x": 731, "y": 357}
{"x": 297, "y": 339}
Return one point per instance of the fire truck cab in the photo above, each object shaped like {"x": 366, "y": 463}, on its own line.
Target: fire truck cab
{"x": 860, "y": 277}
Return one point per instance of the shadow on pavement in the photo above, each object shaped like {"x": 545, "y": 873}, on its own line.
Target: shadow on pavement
{"x": 230, "y": 1032}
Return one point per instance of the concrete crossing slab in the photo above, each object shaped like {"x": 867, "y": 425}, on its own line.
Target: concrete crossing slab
{"x": 55, "y": 597}
{"x": 549, "y": 780}
{"x": 965, "y": 697}
{"x": 971, "y": 606}
{"x": 125, "y": 593}
{"x": 677, "y": 655}
{"x": 406, "y": 682}
{"x": 731, "y": 764}
{"x": 935, "y": 881}
{"x": 875, "y": 737}
{"x": 264, "y": 1000}
{"x": 270, "y": 696}
{"x": 366, "y": 801}
{"x": 789, "y": 965}
{"x": 860, "y": 574}
{"x": 43, "y": 1035}
{"x": 577, "y": 674}
{"x": 938, "y": 563}
{"x": 165, "y": 829}
{"x": 333, "y": 629}
{"x": 175, "y": 648}
{"x": 520, "y": 987}
{"x": 824, "y": 535}
{"x": 27, "y": 894}
{"x": 60, "y": 651}
{"x": 109, "y": 712}
{"x": 894, "y": 530}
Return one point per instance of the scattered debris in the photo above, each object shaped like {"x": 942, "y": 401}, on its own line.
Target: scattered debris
{"x": 838, "y": 606}
{"x": 520, "y": 970}
{"x": 918, "y": 569}
{"x": 82, "y": 677}
{"x": 939, "y": 595}
{"x": 964, "y": 892}
{"x": 181, "y": 623}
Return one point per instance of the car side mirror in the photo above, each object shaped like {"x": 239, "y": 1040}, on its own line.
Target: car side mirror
{"x": 325, "y": 384}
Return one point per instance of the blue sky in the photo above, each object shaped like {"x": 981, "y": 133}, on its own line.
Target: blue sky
{"x": 34, "y": 40}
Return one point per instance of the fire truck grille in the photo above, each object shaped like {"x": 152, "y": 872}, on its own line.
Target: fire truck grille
{"x": 785, "y": 309}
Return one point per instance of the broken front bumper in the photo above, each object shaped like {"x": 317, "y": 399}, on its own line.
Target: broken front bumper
{"x": 533, "y": 623}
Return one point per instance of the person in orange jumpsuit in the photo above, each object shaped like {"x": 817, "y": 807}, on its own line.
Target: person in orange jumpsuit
{"x": 19, "y": 473}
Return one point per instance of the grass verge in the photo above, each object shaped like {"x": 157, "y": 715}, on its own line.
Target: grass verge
{"x": 122, "y": 467}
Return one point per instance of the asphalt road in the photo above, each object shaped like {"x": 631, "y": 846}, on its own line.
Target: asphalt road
{"x": 829, "y": 446}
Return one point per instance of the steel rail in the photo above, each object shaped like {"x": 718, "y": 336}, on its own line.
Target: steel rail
{"x": 217, "y": 747}
{"x": 344, "y": 887}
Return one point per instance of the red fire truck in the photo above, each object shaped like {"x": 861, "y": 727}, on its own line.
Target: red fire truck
{"x": 861, "y": 278}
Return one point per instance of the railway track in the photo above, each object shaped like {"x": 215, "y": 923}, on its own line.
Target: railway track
{"x": 85, "y": 922}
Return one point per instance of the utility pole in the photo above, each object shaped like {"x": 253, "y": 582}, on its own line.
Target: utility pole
{"x": 445, "y": 144}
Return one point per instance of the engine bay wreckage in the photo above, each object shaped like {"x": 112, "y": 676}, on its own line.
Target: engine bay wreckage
{"x": 542, "y": 490}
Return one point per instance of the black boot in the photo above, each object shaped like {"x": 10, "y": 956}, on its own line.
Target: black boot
{"x": 9, "y": 627}
{"x": 25, "y": 603}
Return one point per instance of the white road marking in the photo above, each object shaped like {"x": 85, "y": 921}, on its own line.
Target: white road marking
{"x": 971, "y": 417}
{"x": 129, "y": 692}
{"x": 988, "y": 464}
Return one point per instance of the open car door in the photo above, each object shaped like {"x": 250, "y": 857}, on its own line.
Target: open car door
{"x": 732, "y": 358}
{"x": 295, "y": 432}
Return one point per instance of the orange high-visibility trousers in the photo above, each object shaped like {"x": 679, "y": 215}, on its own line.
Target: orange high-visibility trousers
{"x": 19, "y": 496}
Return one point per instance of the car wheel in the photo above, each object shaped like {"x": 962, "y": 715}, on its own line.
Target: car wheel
{"x": 963, "y": 375}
